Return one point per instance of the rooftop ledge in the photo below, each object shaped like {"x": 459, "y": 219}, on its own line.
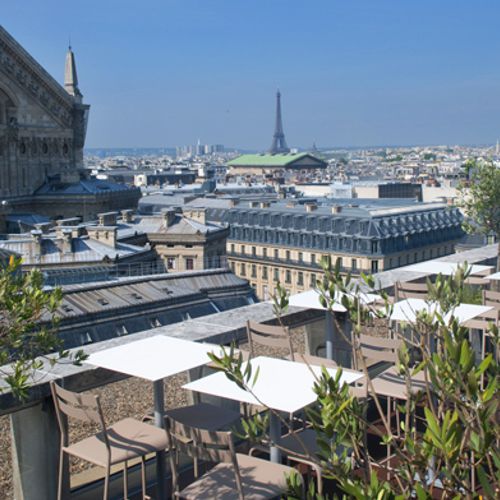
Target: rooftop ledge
{"x": 220, "y": 328}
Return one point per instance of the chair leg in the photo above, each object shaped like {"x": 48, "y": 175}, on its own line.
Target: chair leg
{"x": 105, "y": 494}
{"x": 143, "y": 477}
{"x": 60, "y": 479}
{"x": 319, "y": 479}
{"x": 125, "y": 481}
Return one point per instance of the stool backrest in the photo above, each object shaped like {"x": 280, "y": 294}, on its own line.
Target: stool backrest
{"x": 212, "y": 446}
{"x": 270, "y": 336}
{"x": 379, "y": 348}
{"x": 409, "y": 289}
{"x": 491, "y": 298}
{"x": 82, "y": 407}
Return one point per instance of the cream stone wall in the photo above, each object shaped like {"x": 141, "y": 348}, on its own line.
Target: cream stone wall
{"x": 263, "y": 266}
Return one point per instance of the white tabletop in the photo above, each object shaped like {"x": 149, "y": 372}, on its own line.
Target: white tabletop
{"x": 154, "y": 358}
{"x": 281, "y": 385}
{"x": 494, "y": 276}
{"x": 446, "y": 268}
{"x": 406, "y": 310}
{"x": 310, "y": 299}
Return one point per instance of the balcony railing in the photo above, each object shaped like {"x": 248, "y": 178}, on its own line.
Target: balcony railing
{"x": 293, "y": 263}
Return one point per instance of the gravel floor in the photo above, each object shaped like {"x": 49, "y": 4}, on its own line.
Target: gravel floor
{"x": 117, "y": 403}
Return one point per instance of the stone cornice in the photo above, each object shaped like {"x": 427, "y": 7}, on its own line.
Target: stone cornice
{"x": 20, "y": 66}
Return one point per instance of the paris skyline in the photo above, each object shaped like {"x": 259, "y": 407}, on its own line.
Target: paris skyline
{"x": 166, "y": 73}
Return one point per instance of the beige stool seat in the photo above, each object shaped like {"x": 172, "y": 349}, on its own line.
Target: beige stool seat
{"x": 128, "y": 439}
{"x": 259, "y": 478}
{"x": 391, "y": 384}
{"x": 125, "y": 440}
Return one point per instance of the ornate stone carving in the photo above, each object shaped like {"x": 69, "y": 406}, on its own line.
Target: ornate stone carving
{"x": 28, "y": 77}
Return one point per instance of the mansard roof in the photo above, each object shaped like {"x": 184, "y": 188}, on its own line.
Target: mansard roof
{"x": 379, "y": 223}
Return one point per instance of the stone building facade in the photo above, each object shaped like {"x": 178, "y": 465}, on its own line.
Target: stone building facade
{"x": 42, "y": 135}
{"x": 286, "y": 241}
{"x": 182, "y": 240}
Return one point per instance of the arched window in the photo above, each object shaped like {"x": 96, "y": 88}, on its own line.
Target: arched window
{"x": 6, "y": 105}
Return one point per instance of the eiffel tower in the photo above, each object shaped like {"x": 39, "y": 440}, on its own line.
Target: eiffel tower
{"x": 279, "y": 144}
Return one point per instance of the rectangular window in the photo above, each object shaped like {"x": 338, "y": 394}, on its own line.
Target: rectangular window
{"x": 189, "y": 264}
{"x": 276, "y": 253}
{"x": 264, "y": 252}
{"x": 276, "y": 274}
{"x": 301, "y": 256}
{"x": 313, "y": 280}
{"x": 313, "y": 258}
{"x": 254, "y": 271}
{"x": 264, "y": 273}
{"x": 374, "y": 266}
{"x": 243, "y": 270}
{"x": 300, "y": 278}
{"x": 288, "y": 276}
{"x": 242, "y": 248}
{"x": 354, "y": 264}
{"x": 339, "y": 262}
{"x": 265, "y": 292}
{"x": 170, "y": 262}
{"x": 288, "y": 255}
{"x": 254, "y": 251}
{"x": 233, "y": 267}
{"x": 232, "y": 247}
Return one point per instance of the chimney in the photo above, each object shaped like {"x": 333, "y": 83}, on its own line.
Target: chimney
{"x": 336, "y": 209}
{"x": 67, "y": 241}
{"x": 168, "y": 216}
{"x": 265, "y": 204}
{"x": 127, "y": 215}
{"x": 198, "y": 215}
{"x": 72, "y": 221}
{"x": 291, "y": 204}
{"x": 103, "y": 234}
{"x": 36, "y": 236}
{"x": 107, "y": 218}
{"x": 311, "y": 207}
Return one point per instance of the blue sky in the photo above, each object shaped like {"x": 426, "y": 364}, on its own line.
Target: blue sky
{"x": 355, "y": 72}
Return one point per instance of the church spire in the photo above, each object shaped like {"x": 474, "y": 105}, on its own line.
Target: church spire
{"x": 279, "y": 144}
{"x": 70, "y": 76}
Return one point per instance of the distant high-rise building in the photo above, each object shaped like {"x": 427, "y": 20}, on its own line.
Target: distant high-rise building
{"x": 217, "y": 148}
{"x": 279, "y": 143}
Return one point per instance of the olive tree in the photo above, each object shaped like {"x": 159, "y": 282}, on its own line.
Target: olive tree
{"x": 480, "y": 199}
{"x": 28, "y": 327}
